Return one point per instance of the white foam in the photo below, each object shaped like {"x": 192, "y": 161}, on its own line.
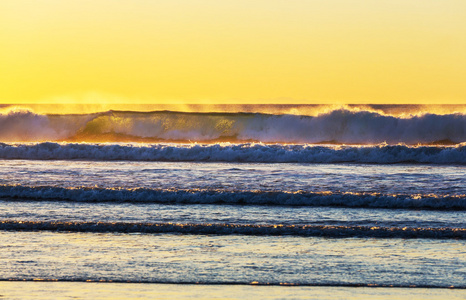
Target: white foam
{"x": 145, "y": 195}
{"x": 243, "y": 229}
{"x": 340, "y": 126}
{"x": 250, "y": 152}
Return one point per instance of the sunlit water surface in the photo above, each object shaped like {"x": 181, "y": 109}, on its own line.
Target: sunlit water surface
{"x": 50, "y": 191}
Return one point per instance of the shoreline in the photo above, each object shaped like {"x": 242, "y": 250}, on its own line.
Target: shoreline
{"x": 96, "y": 290}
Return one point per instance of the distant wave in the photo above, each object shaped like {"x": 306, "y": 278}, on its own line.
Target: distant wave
{"x": 243, "y": 229}
{"x": 283, "y": 198}
{"x": 340, "y": 126}
{"x": 248, "y": 152}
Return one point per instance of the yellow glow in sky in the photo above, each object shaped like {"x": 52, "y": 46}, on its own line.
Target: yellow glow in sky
{"x": 238, "y": 51}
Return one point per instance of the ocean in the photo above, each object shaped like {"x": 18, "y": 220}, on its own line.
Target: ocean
{"x": 275, "y": 201}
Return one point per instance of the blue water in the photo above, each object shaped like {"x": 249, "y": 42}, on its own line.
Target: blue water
{"x": 106, "y": 213}
{"x": 238, "y": 211}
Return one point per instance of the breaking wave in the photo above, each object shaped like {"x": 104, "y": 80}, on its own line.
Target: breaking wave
{"x": 340, "y": 126}
{"x": 242, "y": 229}
{"x": 248, "y": 152}
{"x": 240, "y": 197}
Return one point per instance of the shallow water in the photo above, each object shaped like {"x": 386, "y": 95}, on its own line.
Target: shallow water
{"x": 383, "y": 225}
{"x": 356, "y": 178}
{"x": 232, "y": 259}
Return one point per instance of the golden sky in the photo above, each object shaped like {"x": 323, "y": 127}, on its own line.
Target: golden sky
{"x": 238, "y": 51}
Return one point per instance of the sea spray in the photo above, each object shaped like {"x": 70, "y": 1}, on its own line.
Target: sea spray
{"x": 340, "y": 126}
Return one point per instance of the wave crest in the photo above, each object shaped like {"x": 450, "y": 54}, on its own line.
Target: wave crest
{"x": 342, "y": 126}
{"x": 243, "y": 229}
{"x": 282, "y": 198}
{"x": 249, "y": 152}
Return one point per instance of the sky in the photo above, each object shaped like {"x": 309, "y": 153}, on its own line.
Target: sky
{"x": 238, "y": 51}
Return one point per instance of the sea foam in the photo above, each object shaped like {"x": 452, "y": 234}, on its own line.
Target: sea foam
{"x": 246, "y": 152}
{"x": 243, "y": 229}
{"x": 340, "y": 126}
{"x": 239, "y": 197}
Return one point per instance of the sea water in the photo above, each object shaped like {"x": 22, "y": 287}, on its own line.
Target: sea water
{"x": 345, "y": 198}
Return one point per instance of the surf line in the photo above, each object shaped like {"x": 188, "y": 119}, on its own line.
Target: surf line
{"x": 240, "y": 229}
